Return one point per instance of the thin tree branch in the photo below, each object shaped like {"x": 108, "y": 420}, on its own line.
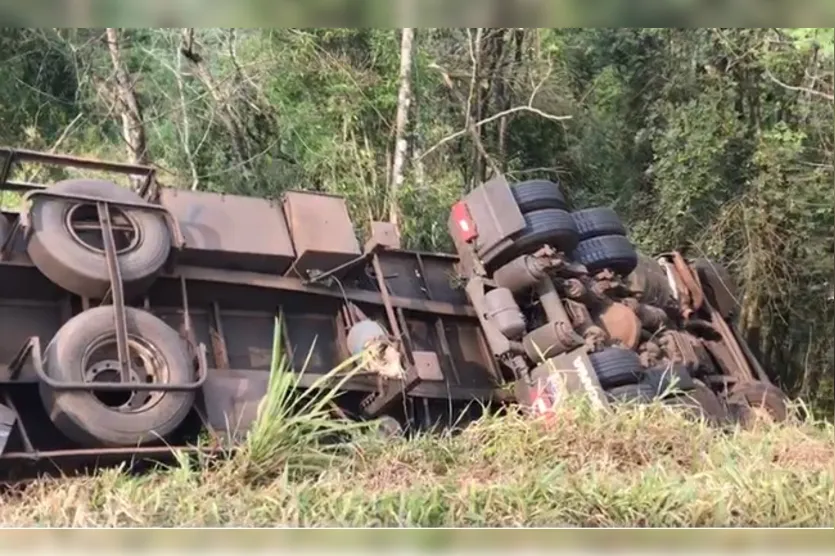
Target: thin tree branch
{"x": 523, "y": 108}
{"x": 795, "y": 88}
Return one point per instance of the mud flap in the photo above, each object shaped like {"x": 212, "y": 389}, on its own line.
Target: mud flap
{"x": 559, "y": 377}
{"x": 8, "y": 418}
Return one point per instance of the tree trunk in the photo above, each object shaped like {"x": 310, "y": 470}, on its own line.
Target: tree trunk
{"x": 401, "y": 122}
{"x": 133, "y": 127}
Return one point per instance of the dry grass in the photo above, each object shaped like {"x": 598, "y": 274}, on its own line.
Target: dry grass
{"x": 645, "y": 466}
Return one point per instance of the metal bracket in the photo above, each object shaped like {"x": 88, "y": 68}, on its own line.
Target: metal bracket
{"x": 32, "y": 350}
{"x": 426, "y": 368}
{"x": 173, "y": 225}
{"x": 116, "y": 291}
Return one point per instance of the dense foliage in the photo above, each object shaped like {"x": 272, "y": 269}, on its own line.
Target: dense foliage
{"x": 718, "y": 141}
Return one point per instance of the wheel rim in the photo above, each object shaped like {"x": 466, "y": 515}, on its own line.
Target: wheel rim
{"x": 82, "y": 222}
{"x": 101, "y": 364}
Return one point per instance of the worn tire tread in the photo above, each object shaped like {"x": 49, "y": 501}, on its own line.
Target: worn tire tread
{"x": 533, "y": 195}
{"x": 80, "y": 415}
{"x": 615, "y": 253}
{"x": 616, "y": 367}
{"x": 598, "y": 221}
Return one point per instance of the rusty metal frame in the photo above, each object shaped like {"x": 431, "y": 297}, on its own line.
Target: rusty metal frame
{"x": 12, "y": 155}
{"x": 173, "y": 225}
{"x": 115, "y": 294}
{"x": 116, "y": 290}
{"x": 31, "y": 350}
{"x": 135, "y": 452}
{"x": 693, "y": 299}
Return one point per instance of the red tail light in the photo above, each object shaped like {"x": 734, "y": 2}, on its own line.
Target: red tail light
{"x": 463, "y": 222}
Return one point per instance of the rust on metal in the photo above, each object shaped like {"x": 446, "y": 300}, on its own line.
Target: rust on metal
{"x": 690, "y": 281}
{"x": 384, "y": 234}
{"x": 322, "y": 233}
{"x": 230, "y": 231}
{"x": 621, "y": 324}
{"x": 246, "y": 261}
{"x": 115, "y": 291}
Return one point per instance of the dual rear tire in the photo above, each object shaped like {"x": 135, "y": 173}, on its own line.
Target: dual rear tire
{"x": 603, "y": 243}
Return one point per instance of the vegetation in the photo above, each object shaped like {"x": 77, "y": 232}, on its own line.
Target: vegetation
{"x": 716, "y": 141}
{"x": 641, "y": 466}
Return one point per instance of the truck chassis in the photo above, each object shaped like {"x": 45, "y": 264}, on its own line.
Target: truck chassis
{"x": 237, "y": 262}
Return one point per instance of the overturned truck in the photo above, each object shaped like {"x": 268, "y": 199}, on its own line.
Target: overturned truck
{"x": 132, "y": 319}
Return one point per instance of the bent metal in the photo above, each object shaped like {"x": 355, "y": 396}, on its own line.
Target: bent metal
{"x": 132, "y": 319}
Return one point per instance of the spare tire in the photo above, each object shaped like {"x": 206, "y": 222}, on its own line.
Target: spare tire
{"x": 537, "y": 195}
{"x": 83, "y": 350}
{"x": 596, "y": 222}
{"x": 76, "y": 260}
{"x": 554, "y": 227}
{"x": 615, "y": 253}
{"x": 616, "y": 367}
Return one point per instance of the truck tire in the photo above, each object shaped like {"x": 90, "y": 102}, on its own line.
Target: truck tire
{"x": 535, "y": 195}
{"x": 554, "y": 227}
{"x": 748, "y": 398}
{"x": 84, "y": 350}
{"x": 665, "y": 379}
{"x": 702, "y": 403}
{"x": 596, "y": 222}
{"x": 631, "y": 393}
{"x": 616, "y": 367}
{"x": 74, "y": 262}
{"x": 719, "y": 287}
{"x": 614, "y": 253}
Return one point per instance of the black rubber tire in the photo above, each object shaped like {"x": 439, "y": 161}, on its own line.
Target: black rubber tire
{"x": 74, "y": 267}
{"x": 554, "y": 227}
{"x": 596, "y": 222}
{"x": 668, "y": 379}
{"x": 719, "y": 287}
{"x": 536, "y": 195}
{"x": 702, "y": 402}
{"x": 615, "y": 253}
{"x": 81, "y": 416}
{"x": 752, "y": 395}
{"x": 616, "y": 367}
{"x": 631, "y": 393}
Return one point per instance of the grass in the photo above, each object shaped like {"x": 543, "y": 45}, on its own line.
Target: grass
{"x": 638, "y": 466}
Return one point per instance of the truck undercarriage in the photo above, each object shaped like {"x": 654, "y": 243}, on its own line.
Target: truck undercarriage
{"x": 130, "y": 321}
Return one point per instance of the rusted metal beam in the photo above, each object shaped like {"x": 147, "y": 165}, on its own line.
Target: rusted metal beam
{"x": 290, "y": 284}
{"x": 24, "y": 155}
